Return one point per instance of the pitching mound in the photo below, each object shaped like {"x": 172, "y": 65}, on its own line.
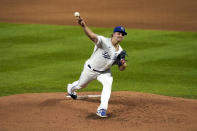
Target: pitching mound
{"x": 127, "y": 111}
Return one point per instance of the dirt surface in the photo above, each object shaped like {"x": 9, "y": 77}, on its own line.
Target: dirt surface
{"x": 127, "y": 111}
{"x": 140, "y": 14}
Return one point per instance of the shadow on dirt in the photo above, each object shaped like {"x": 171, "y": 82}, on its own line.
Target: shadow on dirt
{"x": 51, "y": 102}
{"x": 92, "y": 100}
{"x": 112, "y": 101}
{"x": 93, "y": 116}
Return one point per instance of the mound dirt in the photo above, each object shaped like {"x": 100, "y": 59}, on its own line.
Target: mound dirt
{"x": 127, "y": 111}
{"x": 140, "y": 14}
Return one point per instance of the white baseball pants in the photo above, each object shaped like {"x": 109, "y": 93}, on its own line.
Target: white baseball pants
{"x": 105, "y": 78}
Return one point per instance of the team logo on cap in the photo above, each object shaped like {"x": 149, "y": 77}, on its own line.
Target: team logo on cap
{"x": 122, "y": 28}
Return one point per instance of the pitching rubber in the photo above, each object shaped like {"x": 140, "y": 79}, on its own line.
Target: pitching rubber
{"x": 85, "y": 96}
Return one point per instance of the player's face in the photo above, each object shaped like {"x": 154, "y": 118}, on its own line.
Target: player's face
{"x": 118, "y": 36}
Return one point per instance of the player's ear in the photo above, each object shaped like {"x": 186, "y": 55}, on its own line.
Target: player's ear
{"x": 111, "y": 35}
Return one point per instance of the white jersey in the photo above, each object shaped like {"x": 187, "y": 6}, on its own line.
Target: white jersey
{"x": 104, "y": 54}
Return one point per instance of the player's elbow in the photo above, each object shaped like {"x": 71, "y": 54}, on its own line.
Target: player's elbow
{"x": 123, "y": 67}
{"x": 93, "y": 37}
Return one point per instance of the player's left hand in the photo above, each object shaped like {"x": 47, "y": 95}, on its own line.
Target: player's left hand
{"x": 121, "y": 58}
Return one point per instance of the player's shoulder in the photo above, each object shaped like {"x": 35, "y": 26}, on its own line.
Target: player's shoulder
{"x": 102, "y": 40}
{"x": 102, "y": 37}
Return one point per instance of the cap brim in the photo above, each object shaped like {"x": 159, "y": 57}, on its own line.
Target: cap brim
{"x": 125, "y": 33}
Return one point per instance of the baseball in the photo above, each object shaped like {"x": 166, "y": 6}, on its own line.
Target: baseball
{"x": 76, "y": 14}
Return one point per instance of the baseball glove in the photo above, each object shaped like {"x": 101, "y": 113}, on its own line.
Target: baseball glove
{"x": 120, "y": 60}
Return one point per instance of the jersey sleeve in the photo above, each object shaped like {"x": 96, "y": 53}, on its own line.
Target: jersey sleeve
{"x": 100, "y": 41}
{"x": 120, "y": 49}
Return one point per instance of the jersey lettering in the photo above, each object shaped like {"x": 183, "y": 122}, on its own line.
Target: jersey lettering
{"x": 106, "y": 55}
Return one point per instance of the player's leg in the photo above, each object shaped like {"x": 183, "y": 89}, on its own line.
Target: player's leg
{"x": 86, "y": 76}
{"x": 83, "y": 81}
{"x": 106, "y": 79}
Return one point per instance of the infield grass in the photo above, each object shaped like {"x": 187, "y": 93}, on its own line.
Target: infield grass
{"x": 44, "y": 58}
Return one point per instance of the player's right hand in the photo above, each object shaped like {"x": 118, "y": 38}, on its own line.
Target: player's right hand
{"x": 81, "y": 22}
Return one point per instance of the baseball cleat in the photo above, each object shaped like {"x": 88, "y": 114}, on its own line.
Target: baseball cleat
{"x": 73, "y": 96}
{"x": 101, "y": 113}
{"x": 71, "y": 93}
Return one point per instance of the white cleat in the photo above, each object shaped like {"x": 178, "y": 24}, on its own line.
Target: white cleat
{"x": 101, "y": 113}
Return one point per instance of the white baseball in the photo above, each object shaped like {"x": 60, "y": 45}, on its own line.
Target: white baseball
{"x": 76, "y": 14}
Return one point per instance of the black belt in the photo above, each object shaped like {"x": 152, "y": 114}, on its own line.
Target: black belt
{"x": 95, "y": 70}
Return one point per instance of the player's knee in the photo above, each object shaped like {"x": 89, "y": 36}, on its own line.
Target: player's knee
{"x": 81, "y": 86}
{"x": 108, "y": 81}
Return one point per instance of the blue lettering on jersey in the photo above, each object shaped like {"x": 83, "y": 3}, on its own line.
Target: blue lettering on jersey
{"x": 106, "y": 55}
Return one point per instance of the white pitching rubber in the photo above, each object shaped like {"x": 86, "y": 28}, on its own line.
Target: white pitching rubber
{"x": 86, "y": 96}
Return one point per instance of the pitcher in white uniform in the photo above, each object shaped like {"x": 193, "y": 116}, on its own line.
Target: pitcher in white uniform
{"x": 98, "y": 65}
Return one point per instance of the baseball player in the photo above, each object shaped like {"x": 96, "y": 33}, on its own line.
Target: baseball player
{"x": 107, "y": 52}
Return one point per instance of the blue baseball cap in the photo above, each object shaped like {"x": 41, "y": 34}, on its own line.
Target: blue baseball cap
{"x": 120, "y": 29}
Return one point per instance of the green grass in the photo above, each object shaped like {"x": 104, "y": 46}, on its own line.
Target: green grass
{"x": 44, "y": 58}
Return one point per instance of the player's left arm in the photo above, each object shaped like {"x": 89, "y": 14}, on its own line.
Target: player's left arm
{"x": 120, "y": 61}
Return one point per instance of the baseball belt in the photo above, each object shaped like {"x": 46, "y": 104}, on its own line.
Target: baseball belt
{"x": 95, "y": 70}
